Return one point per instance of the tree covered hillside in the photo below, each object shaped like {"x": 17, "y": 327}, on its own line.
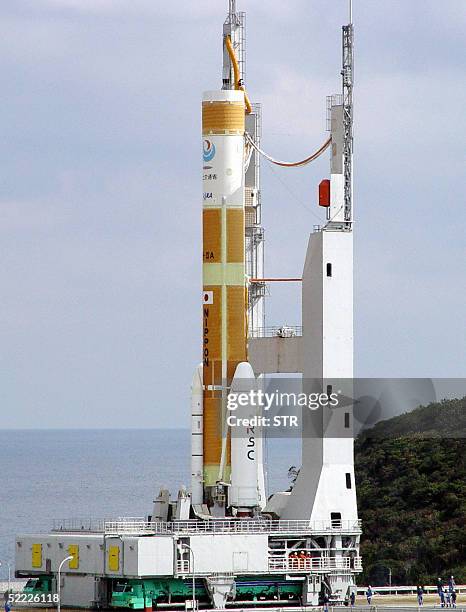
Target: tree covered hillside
{"x": 411, "y": 479}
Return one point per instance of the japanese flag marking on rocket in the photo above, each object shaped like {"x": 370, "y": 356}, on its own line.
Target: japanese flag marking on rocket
{"x": 208, "y": 297}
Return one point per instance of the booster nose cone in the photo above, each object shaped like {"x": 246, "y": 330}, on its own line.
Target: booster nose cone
{"x": 243, "y": 371}
{"x": 196, "y": 383}
{"x": 244, "y": 412}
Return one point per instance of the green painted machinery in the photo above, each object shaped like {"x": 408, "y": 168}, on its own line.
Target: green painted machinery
{"x": 137, "y": 594}
{"x": 41, "y": 585}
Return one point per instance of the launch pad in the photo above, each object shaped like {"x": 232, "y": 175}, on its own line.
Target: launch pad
{"x": 226, "y": 543}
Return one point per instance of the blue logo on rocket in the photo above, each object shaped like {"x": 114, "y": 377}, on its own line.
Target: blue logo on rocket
{"x": 209, "y": 150}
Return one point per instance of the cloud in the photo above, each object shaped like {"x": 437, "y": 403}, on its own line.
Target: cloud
{"x": 101, "y": 195}
{"x": 141, "y": 9}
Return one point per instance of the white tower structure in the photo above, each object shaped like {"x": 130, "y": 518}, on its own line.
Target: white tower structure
{"x": 325, "y": 487}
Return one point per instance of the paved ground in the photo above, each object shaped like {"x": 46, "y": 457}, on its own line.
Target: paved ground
{"x": 390, "y": 603}
{"x": 408, "y": 600}
{"x": 394, "y": 605}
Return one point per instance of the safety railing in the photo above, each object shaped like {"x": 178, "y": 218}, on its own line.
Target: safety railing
{"x": 303, "y": 563}
{"x": 182, "y": 566}
{"x": 122, "y": 527}
{"x": 232, "y": 526}
{"x": 277, "y": 564}
{"x": 91, "y": 524}
{"x": 283, "y": 331}
{"x": 358, "y": 563}
{"x": 139, "y": 524}
{"x": 329, "y": 563}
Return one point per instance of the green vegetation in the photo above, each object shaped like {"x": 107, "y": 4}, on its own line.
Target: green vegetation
{"x": 411, "y": 479}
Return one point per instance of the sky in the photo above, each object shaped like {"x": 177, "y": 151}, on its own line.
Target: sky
{"x": 100, "y": 193}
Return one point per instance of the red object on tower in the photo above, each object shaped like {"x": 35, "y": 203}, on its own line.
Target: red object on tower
{"x": 324, "y": 193}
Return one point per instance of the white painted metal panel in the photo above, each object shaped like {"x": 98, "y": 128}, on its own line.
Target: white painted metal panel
{"x": 337, "y": 197}
{"x": 253, "y": 548}
{"x": 78, "y": 591}
{"x": 112, "y": 543}
{"x": 155, "y": 556}
{"x": 276, "y": 355}
{"x": 55, "y": 549}
{"x": 337, "y": 332}
{"x": 332, "y": 494}
{"x": 130, "y": 556}
{"x": 240, "y": 561}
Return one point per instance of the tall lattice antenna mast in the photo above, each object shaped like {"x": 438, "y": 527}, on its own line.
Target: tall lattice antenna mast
{"x": 347, "y": 77}
{"x": 232, "y": 10}
{"x": 234, "y": 27}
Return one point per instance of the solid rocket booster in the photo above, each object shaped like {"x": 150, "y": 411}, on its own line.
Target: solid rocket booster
{"x": 246, "y": 456}
{"x": 197, "y": 450}
{"x": 224, "y": 298}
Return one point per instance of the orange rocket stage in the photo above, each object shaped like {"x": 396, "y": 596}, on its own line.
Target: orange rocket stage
{"x": 224, "y": 308}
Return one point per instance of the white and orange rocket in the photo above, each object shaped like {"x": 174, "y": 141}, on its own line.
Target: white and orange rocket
{"x": 218, "y": 478}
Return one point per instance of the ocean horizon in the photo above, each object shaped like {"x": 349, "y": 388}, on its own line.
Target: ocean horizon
{"x": 48, "y": 474}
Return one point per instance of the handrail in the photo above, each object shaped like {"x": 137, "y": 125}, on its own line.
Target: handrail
{"x": 140, "y": 525}
{"x": 232, "y": 526}
{"x": 277, "y": 331}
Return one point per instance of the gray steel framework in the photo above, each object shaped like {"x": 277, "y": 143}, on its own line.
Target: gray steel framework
{"x": 347, "y": 78}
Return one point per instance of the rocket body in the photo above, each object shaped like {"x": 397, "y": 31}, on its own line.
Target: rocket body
{"x": 224, "y": 300}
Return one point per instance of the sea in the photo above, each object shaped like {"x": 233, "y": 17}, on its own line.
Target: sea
{"x": 57, "y": 474}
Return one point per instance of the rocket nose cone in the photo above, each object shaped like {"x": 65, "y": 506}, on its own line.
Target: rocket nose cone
{"x": 244, "y": 379}
{"x": 244, "y": 370}
{"x": 196, "y": 384}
